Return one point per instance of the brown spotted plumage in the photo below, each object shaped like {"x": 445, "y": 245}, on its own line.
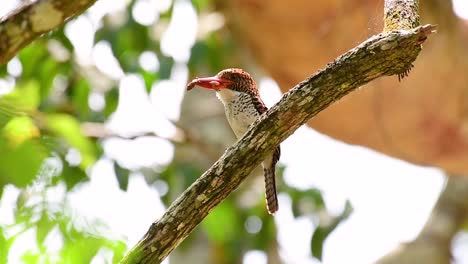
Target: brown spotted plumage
{"x": 238, "y": 91}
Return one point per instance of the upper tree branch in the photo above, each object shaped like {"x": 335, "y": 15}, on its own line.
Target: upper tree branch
{"x": 400, "y": 14}
{"x": 34, "y": 19}
{"x": 384, "y": 54}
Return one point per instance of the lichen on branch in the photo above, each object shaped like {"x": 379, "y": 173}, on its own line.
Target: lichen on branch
{"x": 401, "y": 14}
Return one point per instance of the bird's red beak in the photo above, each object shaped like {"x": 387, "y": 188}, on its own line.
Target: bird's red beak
{"x": 209, "y": 83}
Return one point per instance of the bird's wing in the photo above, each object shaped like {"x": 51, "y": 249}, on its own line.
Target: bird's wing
{"x": 276, "y": 155}
{"x": 259, "y": 105}
{"x": 261, "y": 108}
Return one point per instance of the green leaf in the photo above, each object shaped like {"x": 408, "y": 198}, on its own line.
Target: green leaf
{"x": 69, "y": 128}
{"x": 3, "y": 70}
{"x": 213, "y": 51}
{"x": 46, "y": 75}
{"x": 24, "y": 97}
{"x": 222, "y": 224}
{"x": 19, "y": 129}
{"x": 112, "y": 101}
{"x": 119, "y": 248}
{"x": 201, "y": 5}
{"x": 7, "y": 112}
{"x": 323, "y": 231}
{"x": 80, "y": 97}
{"x": 32, "y": 56}
{"x": 60, "y": 35}
{"x": 30, "y": 257}
{"x": 149, "y": 78}
{"x": 4, "y": 248}
{"x": 306, "y": 202}
{"x": 20, "y": 164}
{"x": 82, "y": 249}
{"x": 165, "y": 67}
{"x": 43, "y": 227}
{"x": 122, "y": 176}
{"x": 73, "y": 175}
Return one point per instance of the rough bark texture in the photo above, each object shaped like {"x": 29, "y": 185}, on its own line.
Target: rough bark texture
{"x": 433, "y": 245}
{"x": 400, "y": 14}
{"x": 31, "y": 20}
{"x": 385, "y": 54}
{"x": 423, "y": 119}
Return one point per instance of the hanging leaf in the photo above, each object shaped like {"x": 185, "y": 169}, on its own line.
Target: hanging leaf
{"x": 112, "y": 100}
{"x": 323, "y": 231}
{"x": 122, "y": 175}
{"x": 73, "y": 175}
{"x": 80, "y": 94}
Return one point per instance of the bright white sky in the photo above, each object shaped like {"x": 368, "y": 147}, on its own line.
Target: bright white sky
{"x": 381, "y": 189}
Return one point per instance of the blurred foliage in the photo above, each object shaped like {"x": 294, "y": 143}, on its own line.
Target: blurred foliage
{"x": 52, "y": 223}
{"x": 41, "y": 124}
{"x": 324, "y": 229}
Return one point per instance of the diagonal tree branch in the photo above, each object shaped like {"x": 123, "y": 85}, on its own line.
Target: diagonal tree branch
{"x": 33, "y": 19}
{"x": 385, "y": 54}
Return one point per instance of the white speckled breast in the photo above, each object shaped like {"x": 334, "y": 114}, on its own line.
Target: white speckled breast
{"x": 240, "y": 111}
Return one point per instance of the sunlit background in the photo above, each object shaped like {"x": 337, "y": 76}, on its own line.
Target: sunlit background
{"x": 386, "y": 210}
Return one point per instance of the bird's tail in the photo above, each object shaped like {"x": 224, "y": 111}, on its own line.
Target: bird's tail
{"x": 270, "y": 189}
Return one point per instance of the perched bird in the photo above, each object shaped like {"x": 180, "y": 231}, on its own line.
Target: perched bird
{"x": 242, "y": 103}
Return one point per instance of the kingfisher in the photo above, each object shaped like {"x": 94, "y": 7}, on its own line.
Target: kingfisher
{"x": 239, "y": 94}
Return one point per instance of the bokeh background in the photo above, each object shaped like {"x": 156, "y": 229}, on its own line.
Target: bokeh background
{"x": 98, "y": 136}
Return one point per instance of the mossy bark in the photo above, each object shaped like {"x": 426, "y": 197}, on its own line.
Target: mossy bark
{"x": 401, "y": 14}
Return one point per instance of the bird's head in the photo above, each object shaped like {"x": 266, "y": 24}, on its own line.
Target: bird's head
{"x": 233, "y": 79}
